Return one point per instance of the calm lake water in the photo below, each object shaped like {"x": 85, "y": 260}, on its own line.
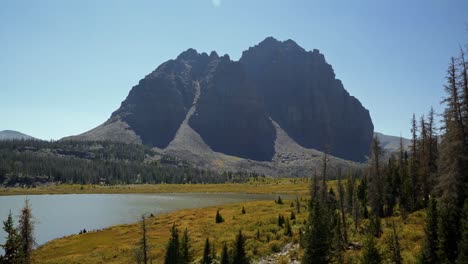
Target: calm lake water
{"x": 61, "y": 215}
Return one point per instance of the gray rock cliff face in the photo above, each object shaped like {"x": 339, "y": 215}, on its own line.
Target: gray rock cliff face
{"x": 235, "y": 105}
{"x": 302, "y": 94}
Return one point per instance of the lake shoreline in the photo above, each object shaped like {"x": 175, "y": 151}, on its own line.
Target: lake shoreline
{"x": 102, "y": 246}
{"x": 293, "y": 186}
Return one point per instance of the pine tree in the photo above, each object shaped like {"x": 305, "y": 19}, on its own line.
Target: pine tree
{"x": 314, "y": 187}
{"x": 375, "y": 225}
{"x": 172, "y": 250}
{"x": 414, "y": 164}
{"x": 376, "y": 183}
{"x": 287, "y": 228}
{"x": 279, "y": 201}
{"x": 395, "y": 248}
{"x": 362, "y": 196}
{"x": 213, "y": 252}
{"x": 292, "y": 216}
{"x": 298, "y": 206}
{"x": 185, "y": 249}
{"x": 341, "y": 194}
{"x": 12, "y": 246}
{"x": 142, "y": 253}
{"x": 448, "y": 233}
{"x": 324, "y": 174}
{"x": 349, "y": 198}
{"x": 356, "y": 211}
{"x": 453, "y": 150}
{"x": 280, "y": 220}
{"x": 370, "y": 252}
{"x": 405, "y": 192}
{"x": 453, "y": 156}
{"x": 429, "y": 250}
{"x": 240, "y": 256}
{"x": 225, "y": 255}
{"x": 463, "y": 243}
{"x": 207, "y": 256}
{"x": 219, "y": 218}
{"x": 391, "y": 186}
{"x": 318, "y": 240}
{"x": 26, "y": 232}
{"x": 338, "y": 238}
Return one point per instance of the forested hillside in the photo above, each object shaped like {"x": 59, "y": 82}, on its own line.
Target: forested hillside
{"x": 31, "y": 162}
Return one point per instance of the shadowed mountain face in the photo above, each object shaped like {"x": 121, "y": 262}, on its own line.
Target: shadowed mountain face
{"x": 233, "y": 105}
{"x": 230, "y": 116}
{"x": 301, "y": 94}
{"x": 156, "y": 106}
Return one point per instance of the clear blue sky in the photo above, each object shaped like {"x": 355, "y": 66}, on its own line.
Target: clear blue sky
{"x": 65, "y": 66}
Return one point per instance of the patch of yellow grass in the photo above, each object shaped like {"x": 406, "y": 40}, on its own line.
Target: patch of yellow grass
{"x": 117, "y": 244}
{"x": 260, "y": 186}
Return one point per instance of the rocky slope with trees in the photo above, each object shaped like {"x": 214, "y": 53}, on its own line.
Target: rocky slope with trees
{"x": 211, "y": 110}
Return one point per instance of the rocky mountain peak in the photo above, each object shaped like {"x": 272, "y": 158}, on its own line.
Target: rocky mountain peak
{"x": 237, "y": 107}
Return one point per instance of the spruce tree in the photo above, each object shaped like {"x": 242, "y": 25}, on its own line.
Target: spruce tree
{"x": 318, "y": 240}
{"x": 395, "y": 247}
{"x": 172, "y": 250}
{"x": 370, "y": 252}
{"x": 142, "y": 253}
{"x": 376, "y": 183}
{"x": 298, "y": 206}
{"x": 279, "y": 201}
{"x": 219, "y": 218}
{"x": 207, "y": 256}
{"x": 287, "y": 228}
{"x": 448, "y": 233}
{"x": 414, "y": 164}
{"x": 341, "y": 194}
{"x": 362, "y": 196}
{"x": 292, "y": 216}
{"x": 356, "y": 211}
{"x": 26, "y": 232}
{"x": 239, "y": 254}
{"x": 225, "y": 255}
{"x": 338, "y": 238}
{"x": 12, "y": 246}
{"x": 349, "y": 198}
{"x": 453, "y": 156}
{"x": 280, "y": 220}
{"x": 463, "y": 243}
{"x": 185, "y": 249}
{"x": 429, "y": 250}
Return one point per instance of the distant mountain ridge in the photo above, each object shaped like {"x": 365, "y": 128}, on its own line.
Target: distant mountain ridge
{"x": 391, "y": 144}
{"x": 13, "y": 135}
{"x": 277, "y": 107}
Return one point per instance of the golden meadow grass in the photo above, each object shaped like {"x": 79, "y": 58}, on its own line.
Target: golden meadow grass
{"x": 117, "y": 244}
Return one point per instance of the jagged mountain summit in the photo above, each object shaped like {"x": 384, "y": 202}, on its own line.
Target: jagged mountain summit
{"x": 277, "y": 101}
